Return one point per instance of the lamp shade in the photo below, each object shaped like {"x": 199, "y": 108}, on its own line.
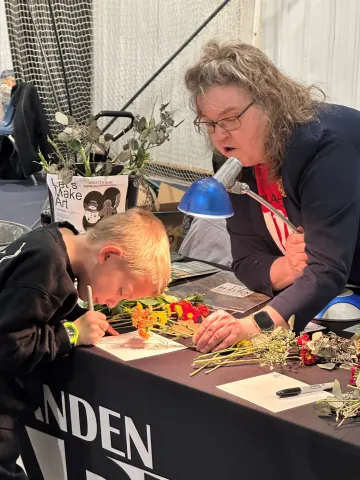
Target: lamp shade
{"x": 207, "y": 198}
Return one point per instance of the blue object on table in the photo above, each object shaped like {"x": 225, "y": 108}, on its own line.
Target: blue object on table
{"x": 344, "y": 308}
{"x": 207, "y": 198}
{"x": 6, "y": 124}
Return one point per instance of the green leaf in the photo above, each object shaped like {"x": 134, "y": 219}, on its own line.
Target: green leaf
{"x": 126, "y": 146}
{"x": 326, "y": 366}
{"x": 123, "y": 156}
{"x": 109, "y": 137}
{"x": 162, "y": 108}
{"x": 74, "y": 145}
{"x": 71, "y": 121}
{"x": 337, "y": 389}
{"x": 102, "y": 139}
{"x": 142, "y": 124}
{"x": 153, "y": 137}
{"x": 63, "y": 137}
{"x": 162, "y": 137}
{"x": 94, "y": 130}
{"x": 99, "y": 167}
{"x": 108, "y": 167}
{"x": 65, "y": 175}
{"x": 152, "y": 123}
{"x": 322, "y": 409}
{"x": 149, "y": 302}
{"x": 61, "y": 118}
{"x": 134, "y": 144}
{"x": 144, "y": 134}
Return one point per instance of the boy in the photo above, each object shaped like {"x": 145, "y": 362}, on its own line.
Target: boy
{"x": 124, "y": 256}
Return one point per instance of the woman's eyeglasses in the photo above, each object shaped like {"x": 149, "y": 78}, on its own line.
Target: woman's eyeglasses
{"x": 228, "y": 124}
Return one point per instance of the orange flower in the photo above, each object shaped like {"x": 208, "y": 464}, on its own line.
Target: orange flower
{"x": 144, "y": 333}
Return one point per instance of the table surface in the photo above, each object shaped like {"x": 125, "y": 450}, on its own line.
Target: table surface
{"x": 226, "y": 433}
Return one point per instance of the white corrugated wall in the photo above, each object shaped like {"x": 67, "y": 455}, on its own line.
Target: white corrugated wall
{"x": 316, "y": 41}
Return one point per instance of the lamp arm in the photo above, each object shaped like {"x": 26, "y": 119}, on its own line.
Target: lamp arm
{"x": 241, "y": 188}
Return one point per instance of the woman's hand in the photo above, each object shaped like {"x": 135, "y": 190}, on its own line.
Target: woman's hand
{"x": 221, "y": 330}
{"x": 295, "y": 252}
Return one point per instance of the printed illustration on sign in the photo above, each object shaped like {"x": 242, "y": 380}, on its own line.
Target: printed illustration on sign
{"x": 86, "y": 200}
{"x": 98, "y": 206}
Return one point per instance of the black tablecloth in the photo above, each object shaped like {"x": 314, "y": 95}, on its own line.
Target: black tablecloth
{"x": 151, "y": 416}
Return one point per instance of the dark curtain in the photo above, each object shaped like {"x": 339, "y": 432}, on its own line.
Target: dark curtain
{"x": 51, "y": 47}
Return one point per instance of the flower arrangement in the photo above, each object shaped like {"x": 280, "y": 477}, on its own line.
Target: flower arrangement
{"x": 164, "y": 314}
{"x": 76, "y": 146}
{"x": 341, "y": 405}
{"x": 279, "y": 346}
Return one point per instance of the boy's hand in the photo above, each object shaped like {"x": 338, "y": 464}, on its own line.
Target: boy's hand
{"x": 92, "y": 327}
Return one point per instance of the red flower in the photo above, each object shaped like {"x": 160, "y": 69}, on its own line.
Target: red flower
{"x": 307, "y": 357}
{"x": 354, "y": 372}
{"x": 189, "y": 311}
{"x": 203, "y": 310}
{"x": 303, "y": 339}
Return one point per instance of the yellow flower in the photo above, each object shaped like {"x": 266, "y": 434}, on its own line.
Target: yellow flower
{"x": 190, "y": 315}
{"x": 244, "y": 344}
{"x": 178, "y": 310}
{"x": 161, "y": 317}
{"x": 167, "y": 309}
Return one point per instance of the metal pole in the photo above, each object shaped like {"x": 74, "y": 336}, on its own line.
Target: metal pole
{"x": 180, "y": 49}
{"x": 60, "y": 56}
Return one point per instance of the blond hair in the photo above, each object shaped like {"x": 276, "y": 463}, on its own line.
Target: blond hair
{"x": 144, "y": 241}
{"x": 285, "y": 102}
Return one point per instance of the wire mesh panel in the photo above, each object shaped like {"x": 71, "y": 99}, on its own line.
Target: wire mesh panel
{"x": 132, "y": 39}
{"x": 51, "y": 46}
{"x": 85, "y": 56}
{"x": 6, "y": 70}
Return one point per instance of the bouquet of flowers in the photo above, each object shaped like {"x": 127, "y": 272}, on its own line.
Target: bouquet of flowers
{"x": 164, "y": 314}
{"x": 279, "y": 346}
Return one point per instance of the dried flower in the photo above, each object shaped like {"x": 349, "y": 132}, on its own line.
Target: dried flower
{"x": 307, "y": 357}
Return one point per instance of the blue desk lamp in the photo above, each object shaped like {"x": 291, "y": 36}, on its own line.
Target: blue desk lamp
{"x": 209, "y": 198}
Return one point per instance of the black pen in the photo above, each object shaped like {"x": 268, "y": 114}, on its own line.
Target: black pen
{"x": 292, "y": 392}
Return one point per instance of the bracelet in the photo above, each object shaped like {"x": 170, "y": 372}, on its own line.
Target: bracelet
{"x": 72, "y": 331}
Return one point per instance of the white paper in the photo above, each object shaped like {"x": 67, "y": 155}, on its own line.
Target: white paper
{"x": 353, "y": 329}
{"x": 262, "y": 390}
{"x": 313, "y": 327}
{"x": 233, "y": 290}
{"x": 86, "y": 200}
{"x": 130, "y": 346}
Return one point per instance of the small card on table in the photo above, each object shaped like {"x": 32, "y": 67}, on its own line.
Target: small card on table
{"x": 130, "y": 346}
{"x": 261, "y": 390}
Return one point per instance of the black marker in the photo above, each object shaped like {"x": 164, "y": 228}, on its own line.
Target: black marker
{"x": 292, "y": 392}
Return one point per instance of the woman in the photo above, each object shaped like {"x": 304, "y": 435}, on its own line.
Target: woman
{"x": 303, "y": 155}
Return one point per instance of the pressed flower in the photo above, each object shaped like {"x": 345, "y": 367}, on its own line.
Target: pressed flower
{"x": 203, "y": 310}
{"x": 244, "y": 344}
{"x": 303, "y": 339}
{"x": 307, "y": 357}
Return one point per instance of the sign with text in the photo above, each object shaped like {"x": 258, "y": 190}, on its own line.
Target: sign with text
{"x": 86, "y": 200}
{"x": 126, "y": 446}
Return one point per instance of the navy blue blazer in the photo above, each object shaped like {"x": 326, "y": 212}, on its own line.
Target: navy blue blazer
{"x": 321, "y": 179}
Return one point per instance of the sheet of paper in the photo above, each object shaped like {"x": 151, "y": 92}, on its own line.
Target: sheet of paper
{"x": 262, "y": 390}
{"x": 130, "y": 346}
{"x": 233, "y": 290}
{"x": 353, "y": 329}
{"x": 313, "y": 327}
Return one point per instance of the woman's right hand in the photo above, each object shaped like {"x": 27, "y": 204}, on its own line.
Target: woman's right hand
{"x": 92, "y": 327}
{"x": 295, "y": 252}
